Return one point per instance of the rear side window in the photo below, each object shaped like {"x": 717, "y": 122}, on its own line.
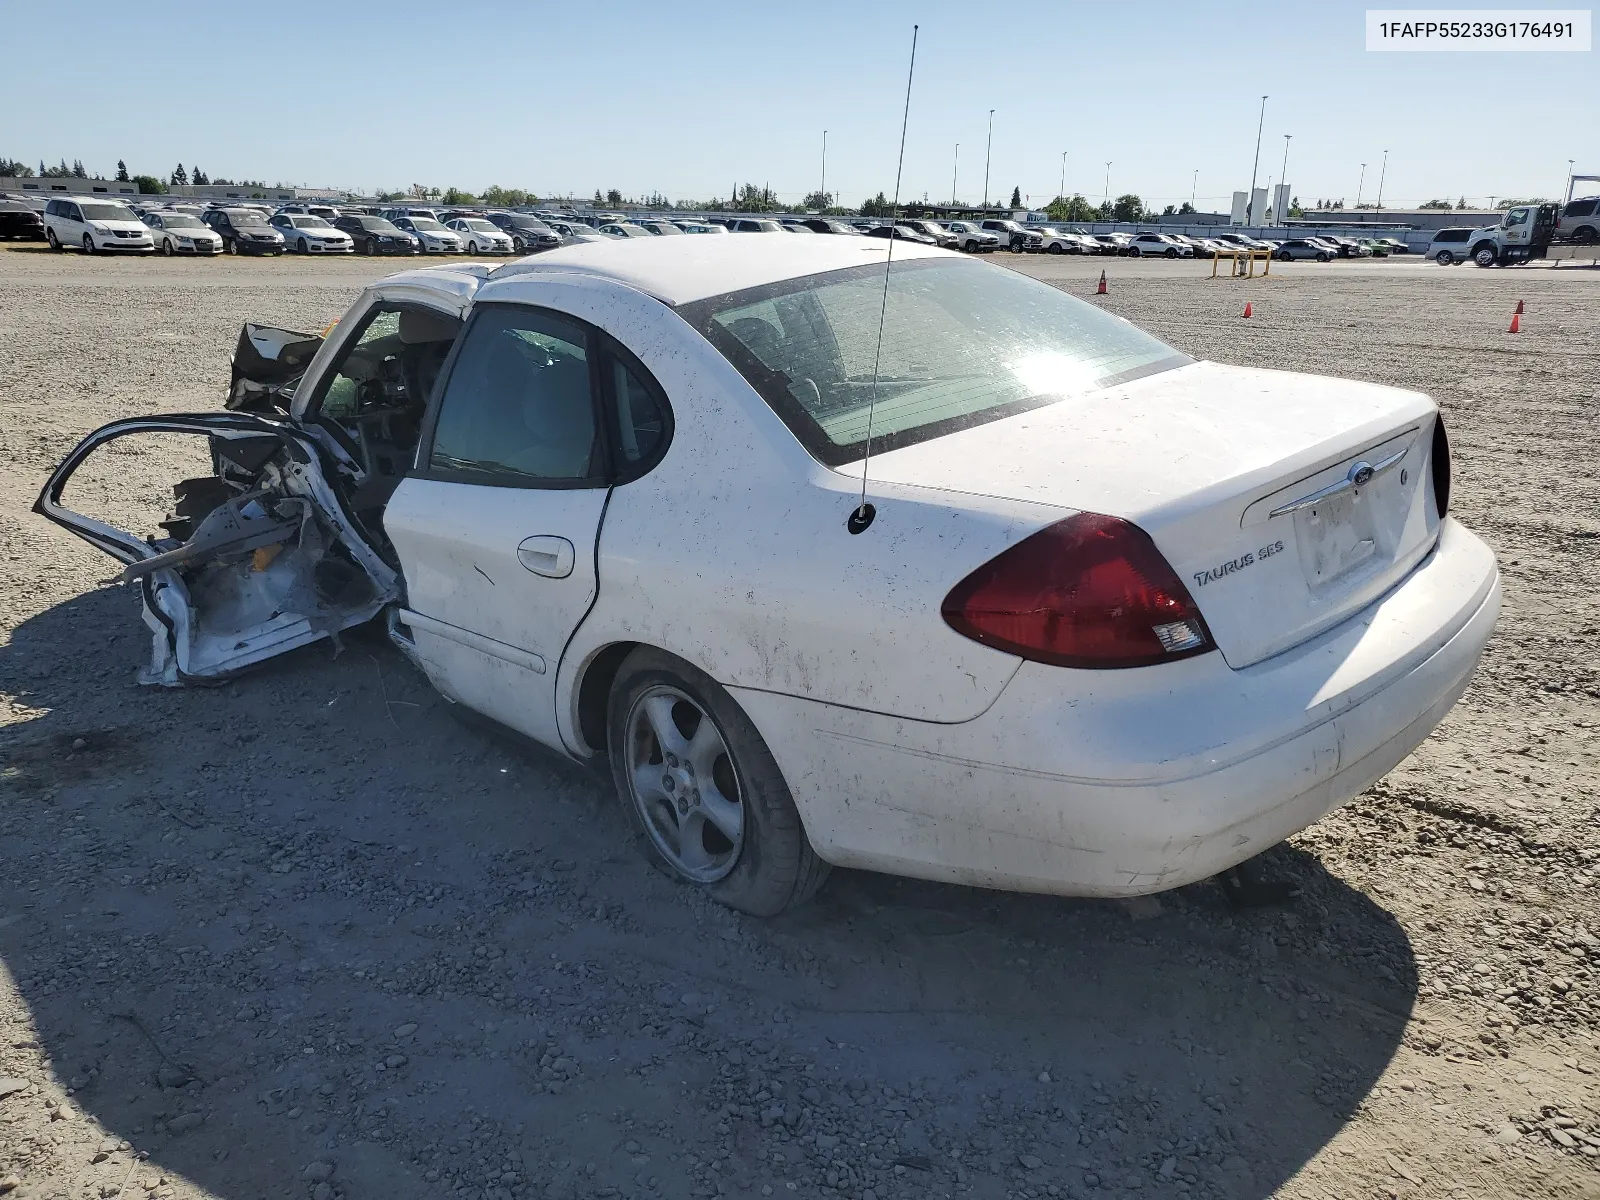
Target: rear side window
{"x": 1581, "y": 208}
{"x": 1451, "y": 235}
{"x": 641, "y": 415}
{"x": 518, "y": 409}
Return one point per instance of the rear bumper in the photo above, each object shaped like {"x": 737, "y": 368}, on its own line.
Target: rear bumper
{"x": 1119, "y": 783}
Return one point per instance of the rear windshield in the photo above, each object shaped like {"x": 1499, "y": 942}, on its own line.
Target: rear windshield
{"x": 964, "y": 343}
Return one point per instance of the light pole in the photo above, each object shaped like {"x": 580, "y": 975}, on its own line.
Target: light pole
{"x": 1250, "y": 209}
{"x": 955, "y": 168}
{"x": 1063, "y": 190}
{"x": 1568, "y": 191}
{"x": 825, "y": 203}
{"x": 1108, "y": 183}
{"x": 1283, "y": 178}
{"x": 987, "y": 148}
{"x": 1194, "y": 186}
{"x": 1381, "y": 175}
{"x": 1359, "y": 182}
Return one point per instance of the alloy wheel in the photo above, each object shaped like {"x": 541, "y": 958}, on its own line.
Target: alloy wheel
{"x": 682, "y": 782}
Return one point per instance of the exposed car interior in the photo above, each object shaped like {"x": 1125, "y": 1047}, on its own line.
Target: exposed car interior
{"x": 376, "y": 394}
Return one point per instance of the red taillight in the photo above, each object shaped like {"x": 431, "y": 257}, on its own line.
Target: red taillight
{"x": 1091, "y": 591}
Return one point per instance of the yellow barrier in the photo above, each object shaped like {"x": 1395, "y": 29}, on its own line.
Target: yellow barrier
{"x": 1247, "y": 269}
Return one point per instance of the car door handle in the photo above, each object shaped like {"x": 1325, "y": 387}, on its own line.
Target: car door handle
{"x": 547, "y": 554}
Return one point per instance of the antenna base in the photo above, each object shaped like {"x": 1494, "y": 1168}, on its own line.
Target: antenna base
{"x": 860, "y": 518}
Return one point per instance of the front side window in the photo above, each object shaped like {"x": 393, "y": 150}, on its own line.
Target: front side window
{"x": 518, "y": 408}
{"x": 963, "y": 344}
{"x": 1517, "y": 216}
{"x": 106, "y": 212}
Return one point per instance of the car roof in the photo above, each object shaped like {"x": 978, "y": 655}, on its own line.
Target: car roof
{"x": 682, "y": 270}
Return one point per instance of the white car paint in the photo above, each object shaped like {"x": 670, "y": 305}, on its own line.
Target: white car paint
{"x": 479, "y": 236}
{"x": 432, "y": 234}
{"x": 907, "y": 746}
{"x": 1160, "y": 245}
{"x": 306, "y": 234}
{"x": 91, "y": 224}
{"x": 1061, "y": 241}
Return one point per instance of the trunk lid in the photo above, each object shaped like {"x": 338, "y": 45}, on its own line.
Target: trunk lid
{"x": 1250, "y": 482}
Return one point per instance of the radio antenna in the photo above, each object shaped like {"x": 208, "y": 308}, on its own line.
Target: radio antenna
{"x": 861, "y": 516}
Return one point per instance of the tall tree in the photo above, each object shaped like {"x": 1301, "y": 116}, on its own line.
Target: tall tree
{"x": 879, "y": 206}
{"x": 122, "y": 171}
{"x": 77, "y": 169}
{"x": 200, "y": 176}
{"x": 1128, "y": 208}
{"x": 1016, "y": 197}
{"x": 179, "y": 175}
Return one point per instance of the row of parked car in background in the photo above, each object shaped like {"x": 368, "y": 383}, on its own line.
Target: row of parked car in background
{"x": 94, "y": 225}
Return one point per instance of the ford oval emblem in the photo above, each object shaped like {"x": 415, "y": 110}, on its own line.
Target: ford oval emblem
{"x": 1361, "y": 474}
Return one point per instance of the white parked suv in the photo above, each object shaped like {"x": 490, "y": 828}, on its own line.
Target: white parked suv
{"x": 973, "y": 239}
{"x": 95, "y": 225}
{"x": 1158, "y": 244}
{"x": 1059, "y": 240}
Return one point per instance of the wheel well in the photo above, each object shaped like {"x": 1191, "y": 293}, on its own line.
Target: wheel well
{"x": 595, "y": 691}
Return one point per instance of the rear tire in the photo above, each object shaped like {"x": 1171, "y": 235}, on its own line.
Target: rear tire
{"x": 772, "y": 866}
{"x": 1444, "y": 258}
{"x": 1587, "y": 236}
{"x": 1285, "y": 256}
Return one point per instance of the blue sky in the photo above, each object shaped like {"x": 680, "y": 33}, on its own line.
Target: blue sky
{"x": 687, "y": 99}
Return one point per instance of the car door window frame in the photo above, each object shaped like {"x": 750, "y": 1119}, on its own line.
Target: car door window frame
{"x": 599, "y": 348}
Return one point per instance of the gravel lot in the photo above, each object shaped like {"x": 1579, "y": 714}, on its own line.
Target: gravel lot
{"x": 305, "y": 935}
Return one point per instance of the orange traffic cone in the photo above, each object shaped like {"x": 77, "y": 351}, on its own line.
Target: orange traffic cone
{"x": 1519, "y": 308}
{"x": 1247, "y": 309}
{"x": 1101, "y": 290}
{"x": 1516, "y": 323}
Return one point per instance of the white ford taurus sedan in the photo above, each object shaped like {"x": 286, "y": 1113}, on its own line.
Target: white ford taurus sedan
{"x": 1119, "y": 620}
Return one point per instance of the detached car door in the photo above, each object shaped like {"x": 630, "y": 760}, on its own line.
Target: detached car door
{"x": 496, "y": 526}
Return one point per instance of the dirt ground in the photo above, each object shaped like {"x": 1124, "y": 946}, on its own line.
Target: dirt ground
{"x": 304, "y": 935}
